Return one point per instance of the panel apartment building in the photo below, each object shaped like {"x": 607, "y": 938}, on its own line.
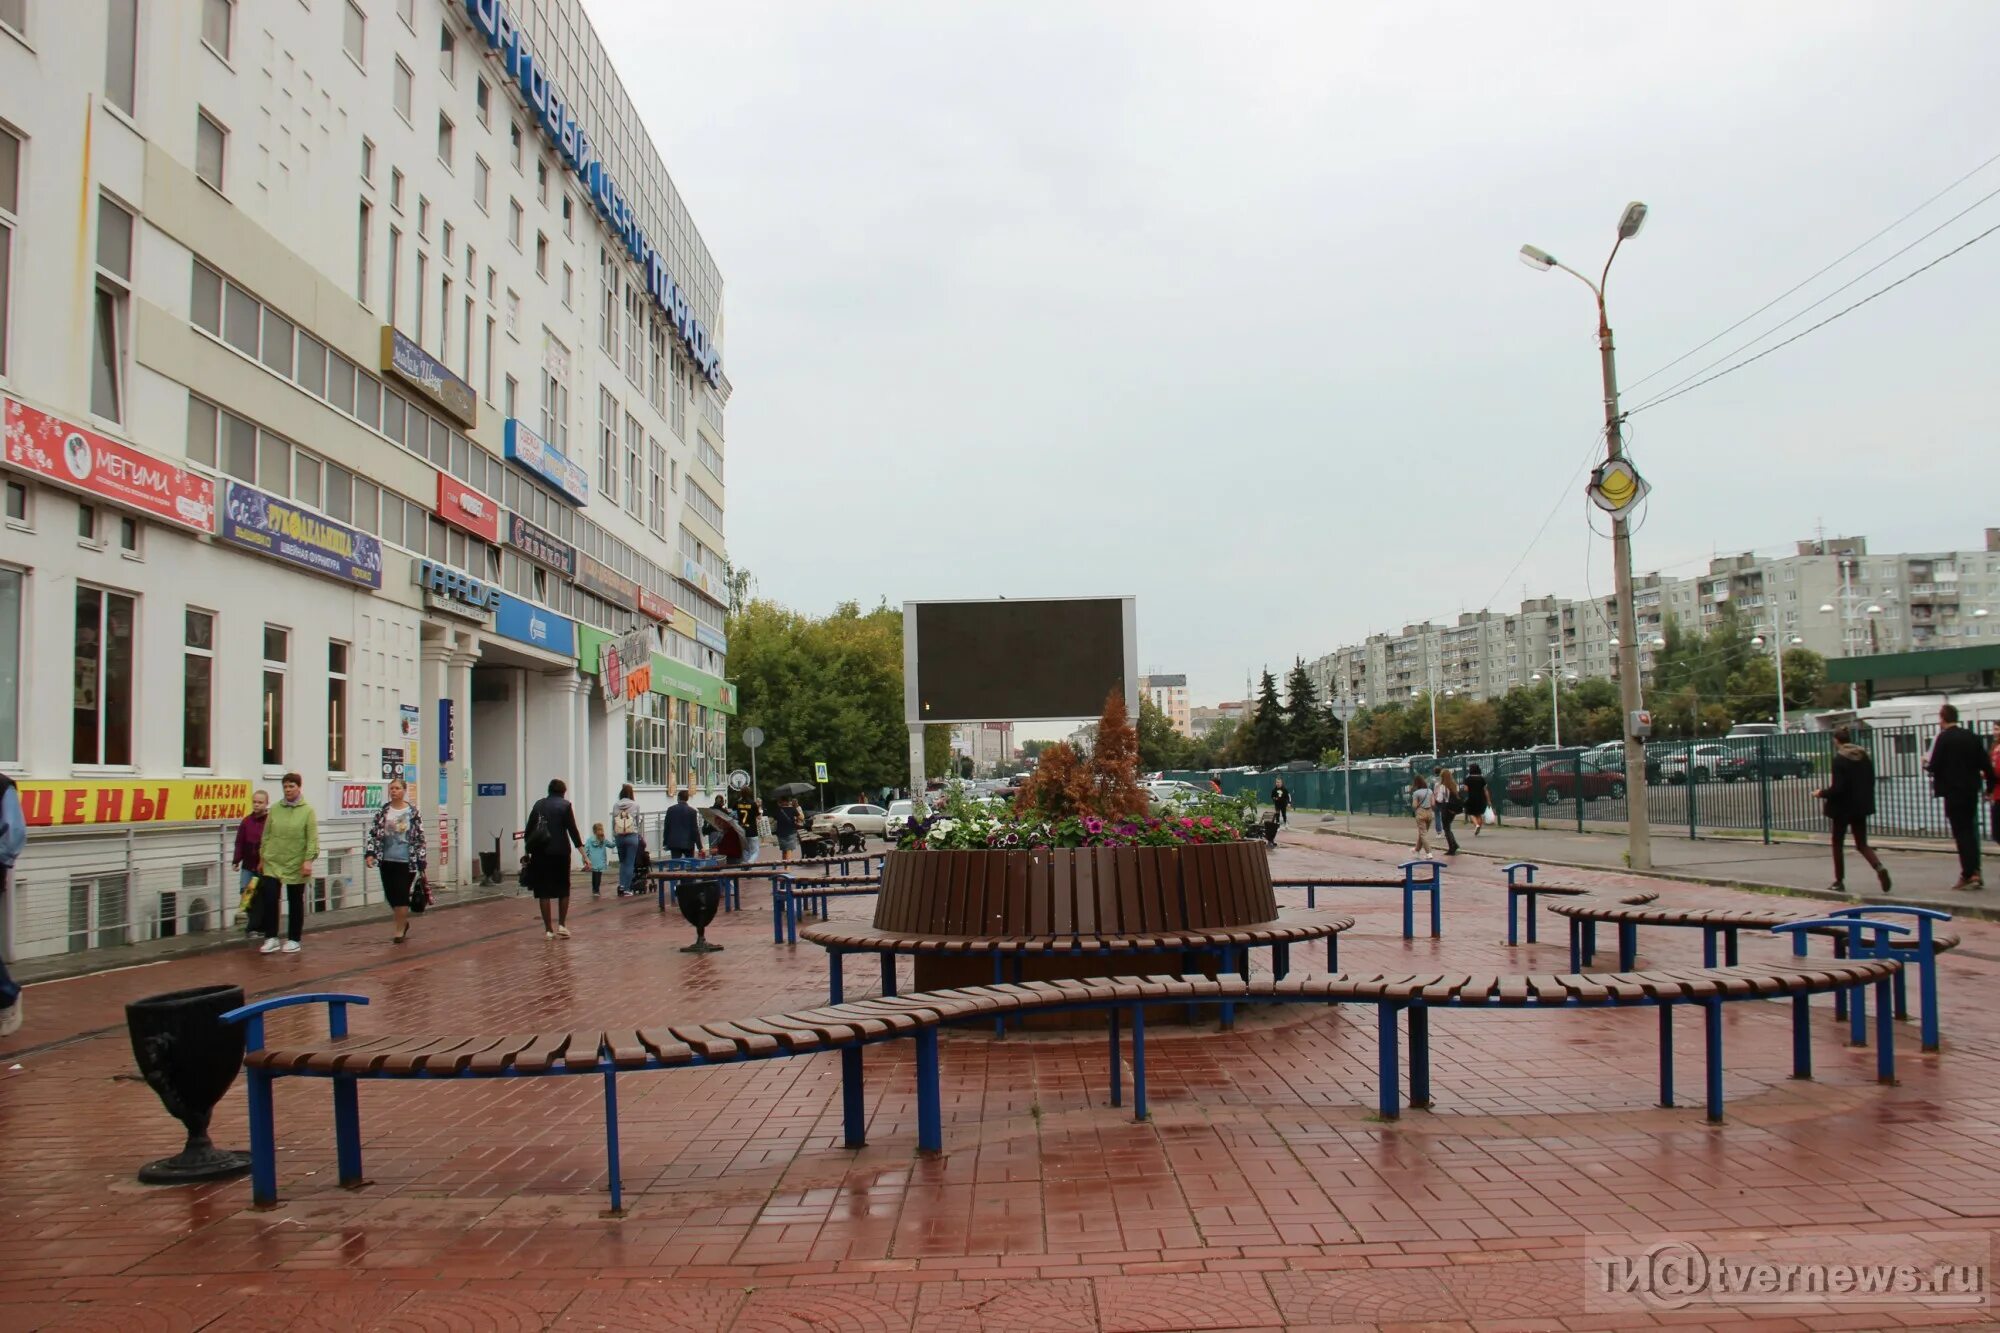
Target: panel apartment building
{"x": 364, "y": 417}
{"x": 1830, "y": 593}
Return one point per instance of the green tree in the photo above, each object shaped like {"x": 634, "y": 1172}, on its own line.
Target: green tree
{"x": 937, "y": 751}
{"x": 1305, "y": 720}
{"x": 1267, "y": 739}
{"x": 1160, "y": 746}
{"x": 1210, "y": 750}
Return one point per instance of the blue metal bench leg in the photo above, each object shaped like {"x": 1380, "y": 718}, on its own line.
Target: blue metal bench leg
{"x": 1885, "y": 1034}
{"x": 1857, "y": 1016}
{"x": 999, "y": 976}
{"x": 1729, "y": 956}
{"x": 777, "y": 916}
{"x": 836, "y": 988}
{"x": 1333, "y": 953}
{"x": 1225, "y": 963}
{"x": 1902, "y": 999}
{"x": 263, "y": 1141}
{"x": 1590, "y": 944}
{"x": 1575, "y": 944}
{"x": 1708, "y": 934}
{"x": 1117, "y": 1066}
{"x": 1801, "y": 1036}
{"x": 1437, "y": 909}
{"x": 853, "y": 1115}
{"x": 888, "y": 972}
{"x": 1531, "y": 919}
{"x": 1666, "y": 1055}
{"x": 1311, "y": 889}
{"x": 1513, "y": 919}
{"x": 1281, "y": 960}
{"x": 1138, "y": 1062}
{"x": 1420, "y": 1055}
{"x": 1839, "y": 996}
{"x": 930, "y": 1110}
{"x": 1927, "y": 997}
{"x": 347, "y": 1130}
{"x": 791, "y": 918}
{"x": 1713, "y": 1026}
{"x": 1409, "y": 907}
{"x": 1388, "y": 1098}
{"x": 611, "y": 1142}
{"x": 1628, "y": 946}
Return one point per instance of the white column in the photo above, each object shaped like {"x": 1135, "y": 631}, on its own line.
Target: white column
{"x": 458, "y": 775}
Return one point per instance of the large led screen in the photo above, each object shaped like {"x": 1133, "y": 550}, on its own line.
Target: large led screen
{"x": 1016, "y": 660}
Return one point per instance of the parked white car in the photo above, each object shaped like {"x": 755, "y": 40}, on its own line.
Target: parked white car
{"x": 899, "y": 814}
{"x": 870, "y": 819}
{"x": 1708, "y": 762}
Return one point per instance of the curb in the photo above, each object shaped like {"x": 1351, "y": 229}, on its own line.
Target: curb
{"x": 1971, "y": 910}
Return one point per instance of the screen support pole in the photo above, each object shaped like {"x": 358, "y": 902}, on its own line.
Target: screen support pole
{"x": 916, "y": 761}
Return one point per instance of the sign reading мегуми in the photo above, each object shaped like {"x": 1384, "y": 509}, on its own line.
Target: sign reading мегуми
{"x": 280, "y": 529}
{"x": 428, "y": 376}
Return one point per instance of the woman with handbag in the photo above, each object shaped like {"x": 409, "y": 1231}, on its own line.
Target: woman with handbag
{"x": 625, "y": 830}
{"x": 1849, "y": 799}
{"x": 394, "y": 847}
{"x": 550, "y": 833}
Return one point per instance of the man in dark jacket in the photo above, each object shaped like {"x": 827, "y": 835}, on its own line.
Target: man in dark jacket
{"x": 683, "y": 828}
{"x": 1960, "y": 770}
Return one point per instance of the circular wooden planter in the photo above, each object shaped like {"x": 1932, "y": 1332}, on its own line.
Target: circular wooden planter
{"x": 1083, "y": 891}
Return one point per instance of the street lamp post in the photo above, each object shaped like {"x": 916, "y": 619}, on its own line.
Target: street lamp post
{"x": 1778, "y": 654}
{"x": 1555, "y": 703}
{"x": 1639, "y": 834}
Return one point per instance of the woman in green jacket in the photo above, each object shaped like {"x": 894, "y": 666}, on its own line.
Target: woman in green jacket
{"x": 291, "y": 845}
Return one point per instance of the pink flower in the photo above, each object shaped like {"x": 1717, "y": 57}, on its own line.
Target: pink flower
{"x": 1207, "y": 822}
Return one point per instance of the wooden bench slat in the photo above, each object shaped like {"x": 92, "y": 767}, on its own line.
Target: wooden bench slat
{"x": 665, "y": 1047}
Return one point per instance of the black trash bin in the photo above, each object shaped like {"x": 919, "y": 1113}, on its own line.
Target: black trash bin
{"x": 489, "y": 866}
{"x": 189, "y": 1057}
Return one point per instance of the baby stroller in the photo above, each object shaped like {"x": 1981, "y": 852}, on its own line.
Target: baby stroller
{"x": 848, "y": 840}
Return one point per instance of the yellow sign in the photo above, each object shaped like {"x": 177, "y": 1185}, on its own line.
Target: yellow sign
{"x": 172, "y": 801}
{"x": 1616, "y": 486}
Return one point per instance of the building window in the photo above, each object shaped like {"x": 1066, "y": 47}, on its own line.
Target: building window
{"x": 114, "y": 276}
{"x": 541, "y": 256}
{"x": 396, "y": 189}
{"x": 197, "y": 689}
{"x": 423, "y": 218}
{"x": 368, "y": 160}
{"x": 646, "y": 732}
{"x": 656, "y": 488}
{"x": 447, "y": 54}
{"x": 10, "y": 652}
{"x": 607, "y": 309}
{"x": 423, "y": 280}
{"x": 217, "y": 16}
{"x": 446, "y": 134}
{"x": 514, "y": 222}
{"x": 607, "y": 444}
{"x": 407, "y": 11}
{"x": 101, "y": 708}
{"x": 354, "y": 34}
{"x": 444, "y": 322}
{"x": 121, "y": 54}
{"x": 635, "y": 479}
{"x": 569, "y": 217}
{"x": 555, "y": 408}
{"x": 510, "y": 390}
{"x": 513, "y": 313}
{"x": 210, "y": 141}
{"x": 703, "y": 504}
{"x": 336, "y": 707}
{"x": 491, "y": 329}
{"x": 465, "y": 341}
{"x": 395, "y": 269}
{"x": 14, "y": 15}
{"x": 514, "y": 142}
{"x": 656, "y": 364}
{"x": 17, "y": 502}
{"x": 10, "y": 201}
{"x": 542, "y": 181}
{"x": 277, "y": 656}
{"x": 482, "y": 101}
{"x": 482, "y": 181}
{"x": 128, "y": 534}
{"x": 569, "y": 288}
{"x": 364, "y": 227}
{"x": 402, "y": 91}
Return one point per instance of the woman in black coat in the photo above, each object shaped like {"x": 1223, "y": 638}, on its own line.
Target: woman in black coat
{"x": 1850, "y": 800}
{"x": 548, "y": 857}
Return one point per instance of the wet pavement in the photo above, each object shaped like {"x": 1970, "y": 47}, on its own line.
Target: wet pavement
{"x": 1262, "y": 1194}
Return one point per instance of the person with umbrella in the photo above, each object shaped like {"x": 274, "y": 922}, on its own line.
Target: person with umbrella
{"x": 787, "y": 819}
{"x": 699, "y": 898}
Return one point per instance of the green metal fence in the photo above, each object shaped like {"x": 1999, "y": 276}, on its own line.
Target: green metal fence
{"x": 1762, "y": 784}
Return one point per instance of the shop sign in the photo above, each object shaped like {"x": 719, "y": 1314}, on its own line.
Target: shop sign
{"x": 358, "y": 798}
{"x": 447, "y": 740}
{"x": 467, "y": 509}
{"x": 696, "y": 577}
{"x": 674, "y": 677}
{"x": 410, "y": 722}
{"x": 175, "y": 801}
{"x": 606, "y": 582}
{"x": 454, "y": 591}
{"x": 524, "y": 622}
{"x": 428, "y": 376}
{"x": 521, "y": 445}
{"x": 282, "y": 530}
{"x": 654, "y": 605}
{"x": 610, "y": 672}
{"x": 635, "y": 650}
{"x": 556, "y": 115}
{"x": 83, "y": 460}
{"x": 710, "y": 638}
{"x": 540, "y": 547}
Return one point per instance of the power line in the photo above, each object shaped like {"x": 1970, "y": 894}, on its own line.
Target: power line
{"x": 1822, "y": 324}
{"x": 1817, "y": 274}
{"x": 1554, "y": 509}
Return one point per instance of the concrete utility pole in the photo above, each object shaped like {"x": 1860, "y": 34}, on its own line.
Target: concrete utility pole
{"x": 1639, "y": 831}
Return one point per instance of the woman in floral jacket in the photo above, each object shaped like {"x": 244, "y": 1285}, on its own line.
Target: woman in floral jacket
{"x": 395, "y": 848}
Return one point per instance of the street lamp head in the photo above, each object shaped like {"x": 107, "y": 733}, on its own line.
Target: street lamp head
{"x": 1756, "y": 640}
{"x": 1980, "y": 612}
{"x": 1536, "y": 676}
{"x": 1797, "y": 639}
{"x": 1633, "y": 219}
{"x": 1614, "y": 642}
{"x": 1874, "y": 610}
{"x": 1537, "y": 258}
{"x": 1659, "y": 642}
{"x": 1826, "y": 608}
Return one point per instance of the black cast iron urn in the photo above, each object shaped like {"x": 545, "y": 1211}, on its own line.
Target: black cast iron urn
{"x": 189, "y": 1057}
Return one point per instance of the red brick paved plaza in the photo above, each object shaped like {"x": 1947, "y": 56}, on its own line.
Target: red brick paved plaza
{"x": 1262, "y": 1194}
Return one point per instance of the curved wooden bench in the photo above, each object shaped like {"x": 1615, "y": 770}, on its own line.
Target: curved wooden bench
{"x": 850, "y": 1027}
{"x": 1425, "y": 876}
{"x": 787, "y": 894}
{"x": 1521, "y": 885}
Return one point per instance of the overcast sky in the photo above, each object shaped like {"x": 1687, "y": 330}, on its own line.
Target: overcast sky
{"x": 1218, "y": 304}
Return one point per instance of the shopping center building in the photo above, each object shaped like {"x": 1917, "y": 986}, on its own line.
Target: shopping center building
{"x": 363, "y": 383}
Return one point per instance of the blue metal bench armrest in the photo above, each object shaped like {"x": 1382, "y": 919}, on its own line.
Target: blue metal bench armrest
{"x": 252, "y": 1015}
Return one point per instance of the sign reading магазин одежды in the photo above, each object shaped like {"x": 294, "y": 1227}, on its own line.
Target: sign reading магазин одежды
{"x": 495, "y": 22}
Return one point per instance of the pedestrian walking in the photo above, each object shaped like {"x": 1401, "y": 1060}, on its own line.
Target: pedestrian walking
{"x": 785, "y": 827}
{"x": 1960, "y": 768}
{"x": 286, "y": 856}
{"x": 1447, "y": 800}
{"x": 394, "y": 846}
{"x": 1420, "y": 806}
{"x": 1849, "y": 800}
{"x": 625, "y": 831}
{"x": 248, "y": 856}
{"x": 753, "y": 843}
{"x": 1281, "y": 801}
{"x": 1475, "y": 797}
{"x": 551, "y": 832}
{"x": 682, "y": 830}
{"x": 13, "y": 836}
{"x": 598, "y": 850}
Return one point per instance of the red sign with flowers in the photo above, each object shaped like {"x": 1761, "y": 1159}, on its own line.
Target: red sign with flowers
{"x": 81, "y": 459}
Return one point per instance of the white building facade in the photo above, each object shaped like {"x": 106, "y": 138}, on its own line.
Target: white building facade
{"x": 364, "y": 398}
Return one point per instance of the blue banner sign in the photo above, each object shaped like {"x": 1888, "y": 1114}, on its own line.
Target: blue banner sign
{"x": 492, "y": 789}
{"x": 447, "y": 740}
{"x": 538, "y": 456}
{"x": 524, "y": 622}
{"x": 428, "y": 376}
{"x": 495, "y": 22}
{"x": 280, "y": 529}
{"x": 710, "y": 638}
